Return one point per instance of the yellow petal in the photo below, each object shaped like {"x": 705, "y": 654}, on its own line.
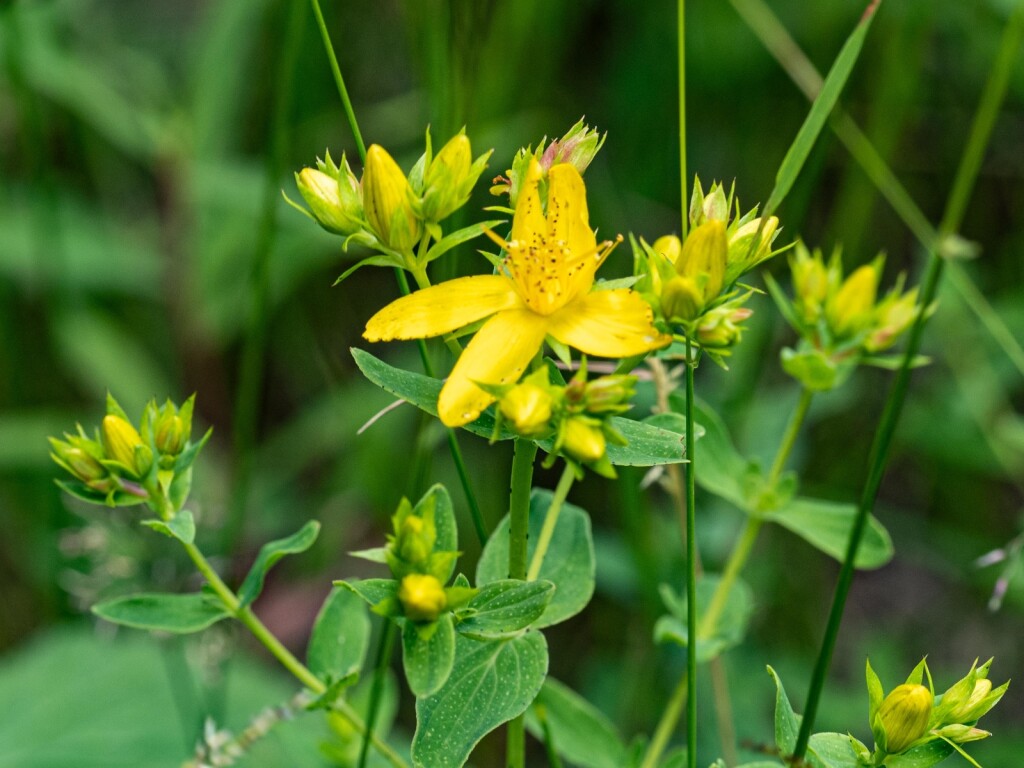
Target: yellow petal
{"x": 498, "y": 354}
{"x": 568, "y": 219}
{"x": 608, "y": 324}
{"x": 442, "y": 308}
{"x": 529, "y": 226}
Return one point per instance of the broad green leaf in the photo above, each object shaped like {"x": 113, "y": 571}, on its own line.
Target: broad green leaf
{"x": 427, "y": 657}
{"x": 337, "y": 645}
{"x": 921, "y": 757}
{"x": 727, "y": 631}
{"x": 373, "y": 591}
{"x": 787, "y": 722}
{"x": 444, "y": 518}
{"x": 582, "y": 733}
{"x": 721, "y": 467}
{"x": 113, "y": 705}
{"x": 181, "y": 527}
{"x": 491, "y": 683}
{"x": 647, "y": 445}
{"x": 505, "y": 607}
{"x": 165, "y": 612}
{"x": 835, "y": 750}
{"x": 808, "y": 134}
{"x": 826, "y": 525}
{"x": 270, "y": 553}
{"x": 569, "y": 563}
{"x": 678, "y": 760}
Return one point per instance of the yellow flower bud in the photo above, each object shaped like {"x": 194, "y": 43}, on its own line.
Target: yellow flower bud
{"x": 968, "y": 710}
{"x": 668, "y": 246}
{"x": 810, "y": 283}
{"x": 850, "y": 308}
{"x": 414, "y": 543}
{"x": 743, "y": 254}
{"x": 527, "y": 407}
{"x": 323, "y": 194}
{"x": 80, "y": 463}
{"x": 422, "y": 597}
{"x": 904, "y": 716}
{"x": 703, "y": 258}
{"x": 681, "y": 299}
{"x": 169, "y": 433}
{"x": 583, "y": 440}
{"x": 386, "y": 194}
{"x": 120, "y": 441}
{"x": 449, "y": 179}
{"x": 893, "y": 316}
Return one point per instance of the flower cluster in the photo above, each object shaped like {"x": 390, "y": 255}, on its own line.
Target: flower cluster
{"x": 911, "y": 716}
{"x": 841, "y": 321}
{"x": 387, "y": 211}
{"x": 124, "y": 465}
{"x": 576, "y": 416}
{"x": 692, "y": 285}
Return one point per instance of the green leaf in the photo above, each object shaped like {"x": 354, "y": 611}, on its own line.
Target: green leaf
{"x": 181, "y": 527}
{"x": 458, "y": 237}
{"x": 373, "y": 591}
{"x": 270, "y": 553}
{"x": 721, "y": 465}
{"x": 505, "y": 607}
{"x": 428, "y": 656}
{"x": 569, "y": 563}
{"x": 444, "y": 519}
{"x": 491, "y": 683}
{"x": 647, "y": 445}
{"x": 826, "y": 525}
{"x": 181, "y": 614}
{"x": 341, "y": 633}
{"x": 835, "y": 750}
{"x": 820, "y": 109}
{"x": 582, "y": 733}
{"x": 728, "y": 630}
{"x": 787, "y": 722}
{"x": 923, "y": 756}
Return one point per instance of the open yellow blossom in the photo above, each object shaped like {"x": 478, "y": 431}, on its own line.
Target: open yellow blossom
{"x": 544, "y": 289}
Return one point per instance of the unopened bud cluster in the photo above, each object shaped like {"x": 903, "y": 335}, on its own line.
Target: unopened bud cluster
{"x": 691, "y": 284}
{"x": 386, "y": 209}
{"x": 912, "y": 716}
{"x": 576, "y": 415}
{"x": 841, "y": 320}
{"x": 123, "y": 464}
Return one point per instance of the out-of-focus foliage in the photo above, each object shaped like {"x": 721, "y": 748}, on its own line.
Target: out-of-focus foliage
{"x": 145, "y": 248}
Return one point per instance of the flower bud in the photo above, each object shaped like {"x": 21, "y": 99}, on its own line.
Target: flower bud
{"x": 422, "y": 597}
{"x": 893, "y": 316}
{"x": 743, "y": 254}
{"x": 668, "y": 246}
{"x": 703, "y": 259}
{"x": 583, "y": 440}
{"x": 334, "y": 211}
{"x": 121, "y": 443}
{"x": 720, "y": 328}
{"x": 450, "y": 178}
{"x": 414, "y": 541}
{"x": 527, "y": 407}
{"x": 904, "y": 716}
{"x": 681, "y": 299}
{"x": 169, "y": 432}
{"x": 386, "y": 201}
{"x": 970, "y": 709}
{"x": 577, "y": 147}
{"x": 810, "y": 283}
{"x": 961, "y": 734}
{"x": 81, "y": 464}
{"x": 850, "y": 308}
{"x": 609, "y": 394}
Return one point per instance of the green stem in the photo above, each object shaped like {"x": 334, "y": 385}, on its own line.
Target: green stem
{"x": 691, "y": 560}
{"x": 550, "y": 521}
{"x": 554, "y": 761}
{"x": 988, "y": 109}
{"x": 339, "y": 81}
{"x": 667, "y": 723}
{"x": 681, "y": 60}
{"x": 385, "y": 647}
{"x": 519, "y": 525}
{"x": 796, "y": 421}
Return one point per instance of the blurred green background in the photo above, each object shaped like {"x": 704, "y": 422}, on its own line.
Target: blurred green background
{"x": 145, "y": 248}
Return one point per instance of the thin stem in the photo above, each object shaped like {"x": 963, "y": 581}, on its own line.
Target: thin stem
{"x": 385, "y": 647}
{"x": 991, "y": 100}
{"x": 796, "y": 421}
{"x": 691, "y": 557}
{"x": 550, "y": 521}
{"x": 519, "y": 525}
{"x": 339, "y": 81}
{"x": 667, "y": 723}
{"x": 681, "y": 59}
{"x": 554, "y": 761}
{"x": 723, "y": 712}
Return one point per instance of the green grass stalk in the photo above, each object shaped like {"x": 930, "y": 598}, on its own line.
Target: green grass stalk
{"x": 956, "y": 206}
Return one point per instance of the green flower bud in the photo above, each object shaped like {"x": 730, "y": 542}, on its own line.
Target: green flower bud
{"x": 449, "y": 180}
{"x": 583, "y": 439}
{"x": 720, "y": 328}
{"x": 527, "y": 407}
{"x": 961, "y": 734}
{"x": 169, "y": 432}
{"x": 743, "y": 254}
{"x": 668, "y": 246}
{"x": 681, "y": 299}
{"x": 609, "y": 394}
{"x": 82, "y": 463}
{"x": 386, "y": 201}
{"x": 904, "y": 716}
{"x": 121, "y": 443}
{"x": 850, "y": 309}
{"x": 893, "y": 316}
{"x": 414, "y": 542}
{"x": 334, "y": 202}
{"x": 422, "y": 597}
{"x": 703, "y": 259}
{"x": 810, "y": 283}
{"x": 577, "y": 147}
{"x": 969, "y": 709}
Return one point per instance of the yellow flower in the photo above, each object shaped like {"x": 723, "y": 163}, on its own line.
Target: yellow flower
{"x": 422, "y": 597}
{"x": 543, "y": 290}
